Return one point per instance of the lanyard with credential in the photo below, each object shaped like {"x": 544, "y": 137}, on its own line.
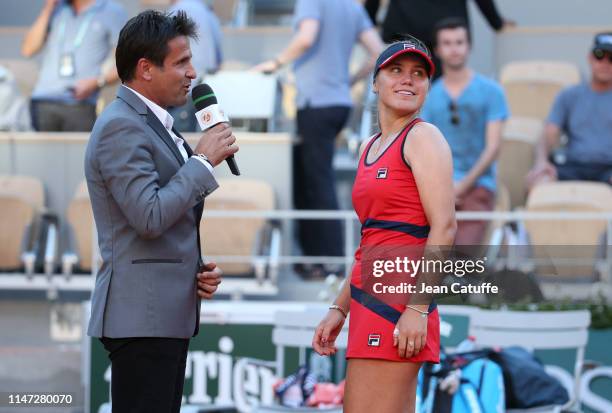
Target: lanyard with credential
{"x": 78, "y": 40}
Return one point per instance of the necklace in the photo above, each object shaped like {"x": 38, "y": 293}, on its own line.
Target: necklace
{"x": 379, "y": 148}
{"x": 388, "y": 141}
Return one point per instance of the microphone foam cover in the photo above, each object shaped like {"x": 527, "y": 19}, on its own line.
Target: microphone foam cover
{"x": 203, "y": 96}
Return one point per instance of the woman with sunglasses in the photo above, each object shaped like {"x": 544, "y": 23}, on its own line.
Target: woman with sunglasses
{"x": 403, "y": 195}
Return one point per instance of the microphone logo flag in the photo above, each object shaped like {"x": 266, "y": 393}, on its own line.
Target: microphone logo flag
{"x": 210, "y": 116}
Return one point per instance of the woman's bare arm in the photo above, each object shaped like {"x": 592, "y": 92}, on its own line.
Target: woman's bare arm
{"x": 429, "y": 156}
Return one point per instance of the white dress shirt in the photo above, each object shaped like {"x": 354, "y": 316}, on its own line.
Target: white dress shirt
{"x": 167, "y": 120}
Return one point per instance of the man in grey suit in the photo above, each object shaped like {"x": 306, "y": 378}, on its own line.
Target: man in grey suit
{"x": 147, "y": 189}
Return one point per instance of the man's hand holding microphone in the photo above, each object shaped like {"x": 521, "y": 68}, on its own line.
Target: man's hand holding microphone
{"x": 217, "y": 144}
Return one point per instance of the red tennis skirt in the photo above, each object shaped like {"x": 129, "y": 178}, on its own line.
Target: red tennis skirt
{"x": 371, "y": 326}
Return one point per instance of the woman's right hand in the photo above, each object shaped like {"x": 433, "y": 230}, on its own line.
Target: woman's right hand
{"x": 324, "y": 340}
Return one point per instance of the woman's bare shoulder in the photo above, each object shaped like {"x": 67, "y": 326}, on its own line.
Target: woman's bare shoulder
{"x": 426, "y": 133}
{"x": 426, "y": 138}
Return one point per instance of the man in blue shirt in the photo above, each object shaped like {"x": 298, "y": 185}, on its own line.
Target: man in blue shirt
{"x": 584, "y": 114}
{"x": 326, "y": 32}
{"x": 76, "y": 37}
{"x": 470, "y": 110}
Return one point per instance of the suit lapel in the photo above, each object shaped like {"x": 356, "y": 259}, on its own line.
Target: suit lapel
{"x": 164, "y": 135}
{"x": 139, "y": 106}
{"x": 199, "y": 208}
{"x": 185, "y": 144}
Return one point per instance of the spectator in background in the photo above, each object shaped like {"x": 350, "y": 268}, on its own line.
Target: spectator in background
{"x": 14, "y": 114}
{"x": 206, "y": 49}
{"x": 401, "y": 18}
{"x": 326, "y": 32}
{"x": 206, "y": 53}
{"x": 470, "y": 110}
{"x": 584, "y": 114}
{"x": 76, "y": 37}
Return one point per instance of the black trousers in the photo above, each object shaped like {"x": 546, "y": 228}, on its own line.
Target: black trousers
{"x": 314, "y": 183}
{"x": 147, "y": 373}
{"x": 48, "y": 116}
{"x": 577, "y": 171}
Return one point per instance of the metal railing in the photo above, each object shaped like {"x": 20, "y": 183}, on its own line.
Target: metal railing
{"x": 348, "y": 217}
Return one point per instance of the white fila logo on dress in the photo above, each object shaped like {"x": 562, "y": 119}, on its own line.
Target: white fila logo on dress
{"x": 382, "y": 173}
{"x": 374, "y": 340}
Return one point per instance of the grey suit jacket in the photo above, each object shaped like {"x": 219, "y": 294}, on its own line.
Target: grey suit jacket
{"x": 147, "y": 204}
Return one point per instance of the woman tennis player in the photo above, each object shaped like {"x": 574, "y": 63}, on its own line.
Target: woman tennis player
{"x": 403, "y": 195}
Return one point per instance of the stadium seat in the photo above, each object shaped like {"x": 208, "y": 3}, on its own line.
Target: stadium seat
{"x": 242, "y": 237}
{"x": 27, "y": 188}
{"x": 558, "y": 330}
{"x": 21, "y": 201}
{"x": 80, "y": 219}
{"x": 531, "y": 86}
{"x": 563, "y": 238}
{"x": 516, "y": 156}
{"x": 17, "y": 216}
{"x": 260, "y": 103}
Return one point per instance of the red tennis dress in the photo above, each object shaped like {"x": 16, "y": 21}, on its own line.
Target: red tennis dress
{"x": 386, "y": 199}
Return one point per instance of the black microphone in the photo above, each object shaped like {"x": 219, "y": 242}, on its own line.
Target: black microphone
{"x": 209, "y": 114}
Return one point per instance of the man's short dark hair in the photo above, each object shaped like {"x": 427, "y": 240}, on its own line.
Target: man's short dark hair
{"x": 451, "y": 23}
{"x": 146, "y": 36}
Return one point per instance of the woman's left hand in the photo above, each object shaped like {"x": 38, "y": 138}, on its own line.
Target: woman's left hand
{"x": 410, "y": 334}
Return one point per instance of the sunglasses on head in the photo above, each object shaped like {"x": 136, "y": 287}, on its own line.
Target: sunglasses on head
{"x": 600, "y": 54}
{"x": 454, "y": 110}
